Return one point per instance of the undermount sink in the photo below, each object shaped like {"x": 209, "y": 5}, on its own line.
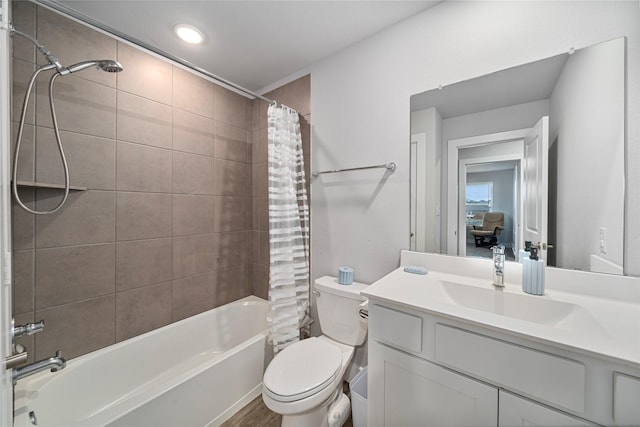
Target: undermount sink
{"x": 519, "y": 306}
{"x": 535, "y": 309}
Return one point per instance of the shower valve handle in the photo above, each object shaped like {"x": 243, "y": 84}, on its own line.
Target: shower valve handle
{"x": 28, "y": 329}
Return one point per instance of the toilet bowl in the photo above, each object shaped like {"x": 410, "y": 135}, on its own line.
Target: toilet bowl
{"x": 303, "y": 382}
{"x": 306, "y": 377}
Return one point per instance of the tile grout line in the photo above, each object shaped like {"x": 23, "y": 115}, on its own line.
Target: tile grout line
{"x": 171, "y": 307}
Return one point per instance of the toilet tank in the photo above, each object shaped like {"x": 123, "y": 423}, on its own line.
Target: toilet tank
{"x": 337, "y": 307}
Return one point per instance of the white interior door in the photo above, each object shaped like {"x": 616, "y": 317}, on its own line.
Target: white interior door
{"x": 6, "y": 387}
{"x": 535, "y": 185}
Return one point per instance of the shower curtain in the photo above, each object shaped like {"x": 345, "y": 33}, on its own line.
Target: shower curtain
{"x": 288, "y": 228}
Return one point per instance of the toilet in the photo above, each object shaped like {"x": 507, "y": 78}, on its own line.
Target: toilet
{"x": 303, "y": 382}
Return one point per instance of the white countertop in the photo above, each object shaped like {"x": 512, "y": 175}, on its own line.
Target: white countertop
{"x": 605, "y": 328}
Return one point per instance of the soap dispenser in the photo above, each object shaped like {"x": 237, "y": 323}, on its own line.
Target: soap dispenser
{"x": 533, "y": 273}
{"x": 524, "y": 253}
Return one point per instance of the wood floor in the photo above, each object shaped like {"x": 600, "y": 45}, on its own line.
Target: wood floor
{"x": 257, "y": 414}
{"x": 254, "y": 414}
{"x": 484, "y": 252}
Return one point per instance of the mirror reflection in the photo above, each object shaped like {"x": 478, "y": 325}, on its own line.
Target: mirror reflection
{"x": 531, "y": 153}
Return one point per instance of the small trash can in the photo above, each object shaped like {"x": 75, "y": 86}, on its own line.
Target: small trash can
{"x": 358, "y": 387}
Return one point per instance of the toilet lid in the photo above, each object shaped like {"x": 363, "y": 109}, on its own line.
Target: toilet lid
{"x": 302, "y": 369}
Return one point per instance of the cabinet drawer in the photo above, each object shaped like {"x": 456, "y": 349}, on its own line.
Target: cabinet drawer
{"x": 516, "y": 411}
{"x": 540, "y": 375}
{"x": 397, "y": 328}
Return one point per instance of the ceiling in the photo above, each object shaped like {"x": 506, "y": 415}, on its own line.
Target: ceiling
{"x": 251, "y": 43}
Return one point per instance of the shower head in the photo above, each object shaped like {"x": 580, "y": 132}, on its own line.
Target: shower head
{"x": 110, "y": 66}
{"x": 107, "y": 65}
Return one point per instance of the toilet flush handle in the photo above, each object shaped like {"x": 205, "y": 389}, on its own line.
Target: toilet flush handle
{"x": 363, "y": 311}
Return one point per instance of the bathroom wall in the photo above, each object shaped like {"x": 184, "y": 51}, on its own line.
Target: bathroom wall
{"x": 360, "y": 99}
{"x": 425, "y": 205}
{"x": 297, "y": 95}
{"x": 587, "y": 119}
{"x": 165, "y": 229}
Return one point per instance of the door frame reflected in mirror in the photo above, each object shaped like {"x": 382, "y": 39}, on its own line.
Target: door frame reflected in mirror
{"x": 456, "y": 224}
{"x": 585, "y": 101}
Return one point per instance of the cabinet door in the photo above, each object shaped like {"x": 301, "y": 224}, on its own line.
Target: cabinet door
{"x": 626, "y": 395}
{"x": 419, "y": 393}
{"x": 516, "y": 411}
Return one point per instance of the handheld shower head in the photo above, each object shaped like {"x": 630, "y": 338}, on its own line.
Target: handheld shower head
{"x": 107, "y": 65}
{"x": 110, "y": 66}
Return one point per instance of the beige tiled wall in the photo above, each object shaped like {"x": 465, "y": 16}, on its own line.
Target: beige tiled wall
{"x": 174, "y": 221}
{"x": 297, "y": 95}
{"x": 165, "y": 229}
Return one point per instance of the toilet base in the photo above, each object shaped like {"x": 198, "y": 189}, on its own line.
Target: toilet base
{"x": 332, "y": 414}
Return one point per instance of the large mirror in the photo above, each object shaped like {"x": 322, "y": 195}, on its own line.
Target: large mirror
{"x": 531, "y": 153}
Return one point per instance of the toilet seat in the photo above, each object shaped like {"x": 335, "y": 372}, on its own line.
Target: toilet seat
{"x": 302, "y": 369}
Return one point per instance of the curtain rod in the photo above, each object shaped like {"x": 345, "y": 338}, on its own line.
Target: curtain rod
{"x": 58, "y": 7}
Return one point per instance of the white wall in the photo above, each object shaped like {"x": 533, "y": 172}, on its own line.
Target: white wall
{"x": 360, "y": 103}
{"x": 587, "y": 122}
{"x": 427, "y": 206}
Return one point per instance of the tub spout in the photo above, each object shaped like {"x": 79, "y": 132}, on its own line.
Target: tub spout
{"x": 54, "y": 363}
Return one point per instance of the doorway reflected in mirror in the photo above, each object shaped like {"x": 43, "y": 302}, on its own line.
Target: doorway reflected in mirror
{"x": 580, "y": 223}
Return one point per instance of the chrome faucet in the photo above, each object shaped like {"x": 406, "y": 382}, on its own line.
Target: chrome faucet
{"x": 498, "y": 266}
{"x": 54, "y": 363}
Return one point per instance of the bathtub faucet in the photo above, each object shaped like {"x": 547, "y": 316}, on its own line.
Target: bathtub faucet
{"x": 54, "y": 363}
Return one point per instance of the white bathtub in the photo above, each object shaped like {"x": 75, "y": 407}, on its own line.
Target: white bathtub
{"x": 195, "y": 372}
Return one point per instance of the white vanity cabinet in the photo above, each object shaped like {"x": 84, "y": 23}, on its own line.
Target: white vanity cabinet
{"x": 432, "y": 370}
{"x": 419, "y": 393}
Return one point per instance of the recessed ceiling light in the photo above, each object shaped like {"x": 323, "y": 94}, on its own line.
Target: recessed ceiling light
{"x": 189, "y": 33}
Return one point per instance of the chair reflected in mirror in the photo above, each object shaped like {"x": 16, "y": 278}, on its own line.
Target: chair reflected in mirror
{"x": 486, "y": 234}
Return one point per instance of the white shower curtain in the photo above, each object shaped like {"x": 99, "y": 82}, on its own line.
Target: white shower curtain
{"x": 288, "y": 228}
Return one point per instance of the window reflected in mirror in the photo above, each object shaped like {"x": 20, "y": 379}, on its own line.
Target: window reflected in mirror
{"x": 542, "y": 143}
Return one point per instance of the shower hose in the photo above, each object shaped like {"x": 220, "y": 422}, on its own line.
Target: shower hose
{"x": 56, "y": 131}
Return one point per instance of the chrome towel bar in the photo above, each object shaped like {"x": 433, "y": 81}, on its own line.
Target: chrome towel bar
{"x": 389, "y": 166}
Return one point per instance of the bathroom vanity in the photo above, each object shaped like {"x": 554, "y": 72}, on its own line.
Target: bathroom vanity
{"x": 447, "y": 349}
